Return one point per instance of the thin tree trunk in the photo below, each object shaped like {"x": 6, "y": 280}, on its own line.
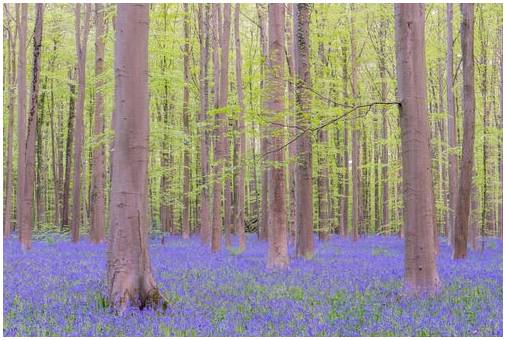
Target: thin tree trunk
{"x": 221, "y": 140}
{"x": 186, "y": 124}
{"x": 54, "y": 147}
{"x": 452, "y": 131}
{"x": 98, "y": 167}
{"x": 239, "y": 185}
{"x": 277, "y": 254}
{"x": 500, "y": 146}
{"x": 421, "y": 275}
{"x": 384, "y": 125}
{"x": 292, "y": 148}
{"x": 204, "y": 213}
{"x": 22, "y": 28}
{"x": 466, "y": 166}
{"x": 79, "y": 127}
{"x": 227, "y": 192}
{"x": 129, "y": 274}
{"x": 346, "y": 187}
{"x": 11, "y": 73}
{"x": 303, "y": 168}
{"x": 40, "y": 168}
{"x": 68, "y": 154}
{"x": 28, "y": 186}
{"x": 358, "y": 214}
{"x": 323, "y": 171}
{"x": 263, "y": 222}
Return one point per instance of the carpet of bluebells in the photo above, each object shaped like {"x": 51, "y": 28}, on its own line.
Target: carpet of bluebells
{"x": 347, "y": 289}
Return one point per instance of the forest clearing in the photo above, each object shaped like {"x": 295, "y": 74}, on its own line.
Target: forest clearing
{"x": 252, "y": 169}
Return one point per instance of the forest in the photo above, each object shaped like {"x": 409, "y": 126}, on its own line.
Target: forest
{"x": 238, "y": 169}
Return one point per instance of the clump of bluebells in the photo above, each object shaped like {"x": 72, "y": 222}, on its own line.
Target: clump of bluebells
{"x": 347, "y": 289}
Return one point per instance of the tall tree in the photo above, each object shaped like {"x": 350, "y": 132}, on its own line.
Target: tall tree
{"x": 129, "y": 274}
{"x": 420, "y": 267}
{"x": 452, "y": 130}
{"x": 277, "y": 257}
{"x": 227, "y": 192}
{"x": 97, "y": 166}
{"x": 21, "y": 83}
{"x": 357, "y": 209}
{"x": 220, "y": 144}
{"x": 11, "y": 74}
{"x": 186, "y": 123}
{"x": 26, "y": 212}
{"x": 68, "y": 153}
{"x": 466, "y": 164}
{"x": 239, "y": 184}
{"x": 263, "y": 223}
{"x": 79, "y": 125}
{"x": 343, "y": 223}
{"x": 303, "y": 168}
{"x": 204, "y": 213}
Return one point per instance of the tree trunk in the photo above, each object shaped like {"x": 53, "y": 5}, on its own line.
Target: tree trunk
{"x": 26, "y": 228}
{"x": 421, "y": 276}
{"x": 239, "y": 185}
{"x": 466, "y": 165}
{"x": 499, "y": 125}
{"x": 263, "y": 224}
{"x": 452, "y": 130}
{"x": 186, "y": 125}
{"x": 221, "y": 139}
{"x": 384, "y": 125}
{"x": 227, "y": 193}
{"x": 357, "y": 209}
{"x": 79, "y": 128}
{"x": 98, "y": 168}
{"x": 40, "y": 168}
{"x": 292, "y": 148}
{"x": 346, "y": 187}
{"x": 303, "y": 168}
{"x": 129, "y": 275}
{"x": 204, "y": 213}
{"x": 68, "y": 154}
{"x": 486, "y": 212}
{"x": 11, "y": 73}
{"x": 277, "y": 256}
{"x": 54, "y": 147}
{"x": 22, "y": 28}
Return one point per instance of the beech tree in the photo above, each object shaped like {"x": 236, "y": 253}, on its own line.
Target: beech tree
{"x": 21, "y": 84}
{"x": 129, "y": 275}
{"x": 239, "y": 183}
{"x": 420, "y": 268}
{"x": 277, "y": 257}
{"x": 11, "y": 76}
{"x": 97, "y": 168}
{"x": 81, "y": 43}
{"x": 452, "y": 131}
{"x": 186, "y": 123}
{"x": 357, "y": 209}
{"x": 303, "y": 167}
{"x": 26, "y": 213}
{"x": 466, "y": 164}
{"x": 205, "y": 225}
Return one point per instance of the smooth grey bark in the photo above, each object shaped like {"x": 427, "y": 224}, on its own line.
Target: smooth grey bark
{"x": 97, "y": 200}
{"x": 466, "y": 165}
{"x": 26, "y": 212}
{"x": 303, "y": 167}
{"x": 129, "y": 274}
{"x": 421, "y": 275}
{"x": 81, "y": 44}
{"x": 277, "y": 253}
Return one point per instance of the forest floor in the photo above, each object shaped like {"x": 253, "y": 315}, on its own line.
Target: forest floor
{"x": 347, "y": 289}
